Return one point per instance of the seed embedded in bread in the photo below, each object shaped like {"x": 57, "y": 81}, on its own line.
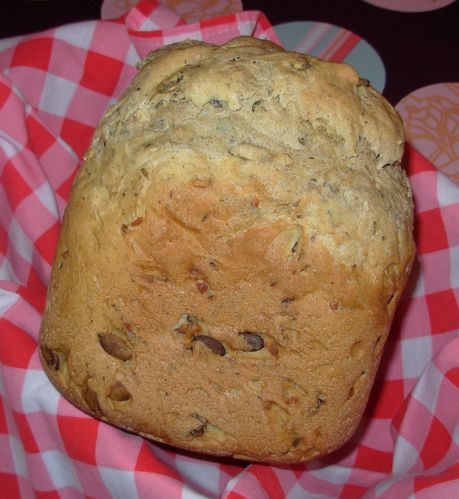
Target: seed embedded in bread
{"x": 240, "y": 234}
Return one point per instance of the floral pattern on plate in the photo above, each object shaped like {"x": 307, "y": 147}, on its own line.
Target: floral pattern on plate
{"x": 431, "y": 118}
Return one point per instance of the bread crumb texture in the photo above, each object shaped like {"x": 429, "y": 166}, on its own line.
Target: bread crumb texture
{"x": 232, "y": 254}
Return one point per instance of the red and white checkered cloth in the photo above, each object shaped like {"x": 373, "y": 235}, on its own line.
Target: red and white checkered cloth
{"x": 54, "y": 88}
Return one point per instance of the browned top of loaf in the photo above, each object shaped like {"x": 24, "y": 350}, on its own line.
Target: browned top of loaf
{"x": 257, "y": 190}
{"x": 283, "y": 127}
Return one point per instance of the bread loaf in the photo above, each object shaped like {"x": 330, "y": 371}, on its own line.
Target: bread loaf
{"x": 232, "y": 254}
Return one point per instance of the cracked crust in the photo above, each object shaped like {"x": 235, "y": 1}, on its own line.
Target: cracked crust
{"x": 232, "y": 254}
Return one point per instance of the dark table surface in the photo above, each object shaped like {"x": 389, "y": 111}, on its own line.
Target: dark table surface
{"x": 418, "y": 49}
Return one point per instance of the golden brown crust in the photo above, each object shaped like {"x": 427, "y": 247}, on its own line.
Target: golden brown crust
{"x": 233, "y": 252}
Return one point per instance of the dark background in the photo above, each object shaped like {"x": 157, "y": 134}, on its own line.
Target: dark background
{"x": 418, "y": 49}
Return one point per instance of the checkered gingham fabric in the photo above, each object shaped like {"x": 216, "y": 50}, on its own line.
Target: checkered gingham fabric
{"x": 54, "y": 88}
